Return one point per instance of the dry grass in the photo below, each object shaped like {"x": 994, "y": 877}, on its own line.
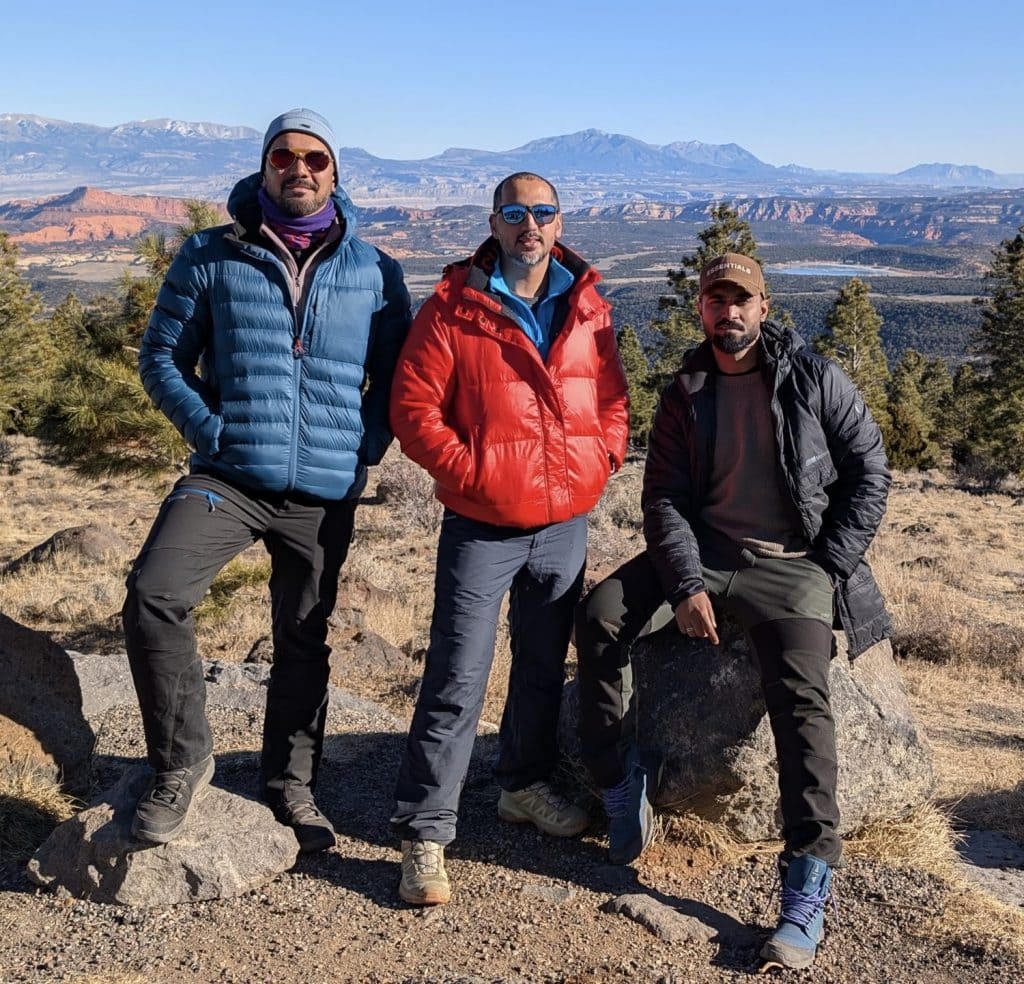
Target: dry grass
{"x": 711, "y": 838}
{"x": 975, "y": 725}
{"x": 402, "y": 621}
{"x": 408, "y": 492}
{"x": 948, "y": 561}
{"x": 922, "y": 839}
{"x": 31, "y": 805}
{"x": 932, "y": 621}
{"x": 619, "y": 507}
{"x": 63, "y": 591}
{"x": 974, "y": 918}
{"x": 41, "y": 499}
{"x": 229, "y": 590}
{"x": 994, "y": 807}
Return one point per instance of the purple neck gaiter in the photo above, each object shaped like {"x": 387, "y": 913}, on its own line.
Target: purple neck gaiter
{"x": 297, "y": 232}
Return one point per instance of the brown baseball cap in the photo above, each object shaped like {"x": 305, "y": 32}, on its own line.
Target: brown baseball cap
{"x": 734, "y": 268}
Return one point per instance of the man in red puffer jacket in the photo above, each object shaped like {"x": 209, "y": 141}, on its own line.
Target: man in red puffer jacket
{"x": 510, "y": 393}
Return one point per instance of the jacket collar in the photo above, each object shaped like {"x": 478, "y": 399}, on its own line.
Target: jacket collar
{"x": 486, "y": 256}
{"x": 244, "y": 208}
{"x": 475, "y": 271}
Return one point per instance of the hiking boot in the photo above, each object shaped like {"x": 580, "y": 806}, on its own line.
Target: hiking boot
{"x": 547, "y": 810}
{"x": 629, "y": 811}
{"x": 312, "y": 829}
{"x": 805, "y": 890}
{"x": 424, "y": 880}
{"x": 163, "y": 808}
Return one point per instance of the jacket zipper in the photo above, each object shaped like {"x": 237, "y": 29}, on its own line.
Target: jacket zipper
{"x": 552, "y": 406}
{"x": 298, "y": 351}
{"x": 298, "y": 354}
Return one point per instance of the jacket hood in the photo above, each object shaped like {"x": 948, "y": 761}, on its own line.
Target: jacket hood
{"x": 244, "y": 208}
{"x": 778, "y": 341}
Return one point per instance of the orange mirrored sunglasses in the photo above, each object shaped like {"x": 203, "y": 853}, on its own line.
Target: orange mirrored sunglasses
{"x": 283, "y": 158}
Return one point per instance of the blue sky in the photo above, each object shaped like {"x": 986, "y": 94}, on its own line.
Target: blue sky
{"x": 862, "y": 87}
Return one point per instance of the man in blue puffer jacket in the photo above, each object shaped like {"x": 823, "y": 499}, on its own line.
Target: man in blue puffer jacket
{"x": 271, "y": 349}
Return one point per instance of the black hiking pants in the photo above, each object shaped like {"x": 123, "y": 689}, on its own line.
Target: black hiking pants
{"x": 203, "y": 524}
{"x": 785, "y": 607}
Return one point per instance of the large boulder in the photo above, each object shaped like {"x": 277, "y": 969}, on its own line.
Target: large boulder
{"x": 701, "y": 706}
{"x": 41, "y": 717}
{"x": 231, "y": 844}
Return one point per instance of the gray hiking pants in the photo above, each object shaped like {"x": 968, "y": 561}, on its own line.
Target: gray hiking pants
{"x": 203, "y": 524}
{"x": 477, "y": 563}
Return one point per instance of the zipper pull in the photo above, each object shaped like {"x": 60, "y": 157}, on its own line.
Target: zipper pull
{"x": 297, "y": 350}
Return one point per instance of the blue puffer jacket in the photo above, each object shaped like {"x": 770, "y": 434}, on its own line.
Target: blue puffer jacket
{"x": 267, "y": 403}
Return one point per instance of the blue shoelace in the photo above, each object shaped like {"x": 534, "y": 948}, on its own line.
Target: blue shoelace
{"x": 616, "y": 799}
{"x": 800, "y": 908}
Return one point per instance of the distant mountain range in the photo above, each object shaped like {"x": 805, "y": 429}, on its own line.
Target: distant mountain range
{"x": 591, "y": 168}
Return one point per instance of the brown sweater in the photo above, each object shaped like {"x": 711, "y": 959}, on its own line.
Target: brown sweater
{"x": 747, "y": 499}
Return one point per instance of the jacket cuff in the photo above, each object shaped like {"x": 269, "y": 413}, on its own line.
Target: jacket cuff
{"x": 207, "y": 436}
{"x": 683, "y": 591}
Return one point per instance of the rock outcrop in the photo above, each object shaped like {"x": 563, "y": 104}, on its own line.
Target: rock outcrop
{"x": 702, "y": 708}
{"x": 231, "y": 844}
{"x": 92, "y": 215}
{"x": 92, "y": 542}
{"x": 41, "y": 719}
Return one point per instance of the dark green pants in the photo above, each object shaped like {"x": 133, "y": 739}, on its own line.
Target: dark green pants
{"x": 785, "y": 608}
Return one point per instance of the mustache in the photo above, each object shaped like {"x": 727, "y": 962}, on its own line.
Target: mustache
{"x": 300, "y": 183}
{"x": 729, "y": 323}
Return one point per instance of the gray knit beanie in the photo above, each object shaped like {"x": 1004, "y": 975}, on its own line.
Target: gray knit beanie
{"x": 301, "y": 121}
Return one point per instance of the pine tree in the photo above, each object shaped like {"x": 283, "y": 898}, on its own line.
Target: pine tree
{"x": 960, "y": 422}
{"x": 853, "y": 338}
{"x": 642, "y": 398}
{"x": 915, "y": 396}
{"x": 1001, "y": 339}
{"x": 98, "y": 416}
{"x": 680, "y": 328}
{"x": 20, "y": 373}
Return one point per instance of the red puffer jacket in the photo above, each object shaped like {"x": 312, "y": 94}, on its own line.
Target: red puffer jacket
{"x": 508, "y": 439}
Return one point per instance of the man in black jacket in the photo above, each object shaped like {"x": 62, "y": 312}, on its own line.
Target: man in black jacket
{"x": 765, "y": 482}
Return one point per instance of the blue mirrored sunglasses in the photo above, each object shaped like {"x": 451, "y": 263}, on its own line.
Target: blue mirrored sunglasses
{"x": 514, "y": 214}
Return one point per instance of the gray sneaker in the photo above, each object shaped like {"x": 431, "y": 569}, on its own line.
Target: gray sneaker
{"x": 545, "y": 808}
{"x": 163, "y": 808}
{"x": 424, "y": 880}
{"x": 312, "y": 829}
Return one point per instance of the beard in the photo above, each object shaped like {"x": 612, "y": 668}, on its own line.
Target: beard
{"x": 529, "y": 260}
{"x": 737, "y": 340}
{"x": 299, "y": 207}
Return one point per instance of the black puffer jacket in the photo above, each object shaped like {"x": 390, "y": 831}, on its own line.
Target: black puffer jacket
{"x": 831, "y": 456}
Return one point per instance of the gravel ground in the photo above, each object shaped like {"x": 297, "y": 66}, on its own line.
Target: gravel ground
{"x": 525, "y": 907}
